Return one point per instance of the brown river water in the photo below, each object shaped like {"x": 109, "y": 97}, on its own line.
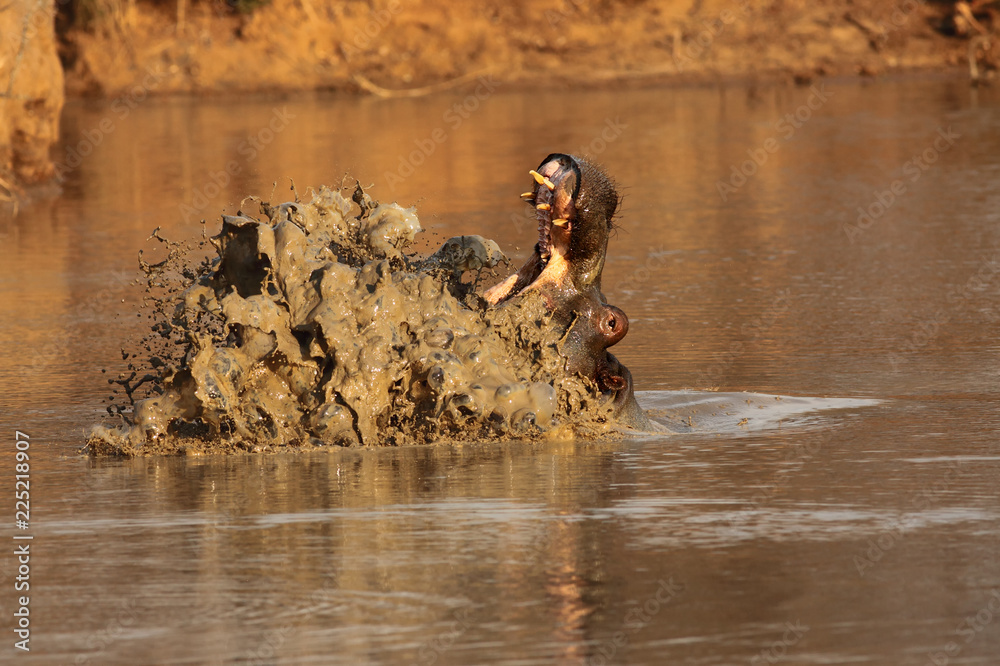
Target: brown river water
{"x": 835, "y": 500}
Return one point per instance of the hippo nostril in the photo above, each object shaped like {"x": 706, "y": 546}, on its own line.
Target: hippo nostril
{"x": 615, "y": 325}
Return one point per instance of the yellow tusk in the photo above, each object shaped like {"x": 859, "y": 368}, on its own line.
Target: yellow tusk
{"x": 542, "y": 180}
{"x": 543, "y": 206}
{"x": 527, "y": 195}
{"x": 560, "y": 222}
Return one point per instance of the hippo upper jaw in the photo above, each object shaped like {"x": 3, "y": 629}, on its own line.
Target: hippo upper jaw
{"x": 574, "y": 203}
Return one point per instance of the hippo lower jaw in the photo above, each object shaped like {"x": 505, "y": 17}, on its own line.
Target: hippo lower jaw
{"x": 548, "y": 269}
{"x": 574, "y": 203}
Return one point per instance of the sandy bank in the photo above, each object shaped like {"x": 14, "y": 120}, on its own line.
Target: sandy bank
{"x": 398, "y": 45}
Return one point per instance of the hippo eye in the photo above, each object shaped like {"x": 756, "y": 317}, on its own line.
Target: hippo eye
{"x": 611, "y": 323}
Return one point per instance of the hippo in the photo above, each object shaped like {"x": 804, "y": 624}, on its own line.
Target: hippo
{"x": 314, "y": 327}
{"x": 575, "y": 203}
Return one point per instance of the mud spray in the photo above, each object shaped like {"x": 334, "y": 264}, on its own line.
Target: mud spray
{"x": 311, "y": 327}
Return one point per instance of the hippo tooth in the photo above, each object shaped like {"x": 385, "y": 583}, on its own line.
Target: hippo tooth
{"x": 560, "y": 222}
{"x": 527, "y": 195}
{"x": 542, "y": 180}
{"x": 543, "y": 206}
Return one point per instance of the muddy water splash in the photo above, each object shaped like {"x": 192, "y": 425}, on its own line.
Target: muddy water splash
{"x": 312, "y": 327}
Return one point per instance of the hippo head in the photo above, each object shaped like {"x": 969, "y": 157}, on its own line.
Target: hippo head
{"x": 575, "y": 202}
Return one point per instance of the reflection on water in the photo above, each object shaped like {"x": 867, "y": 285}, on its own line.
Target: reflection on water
{"x": 817, "y": 531}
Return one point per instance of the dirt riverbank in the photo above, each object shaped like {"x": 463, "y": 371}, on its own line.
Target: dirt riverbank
{"x": 400, "y": 45}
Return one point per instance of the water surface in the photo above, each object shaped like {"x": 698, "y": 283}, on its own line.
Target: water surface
{"x": 858, "y": 522}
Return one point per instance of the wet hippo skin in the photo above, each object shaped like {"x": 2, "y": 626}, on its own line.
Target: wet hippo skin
{"x": 575, "y": 203}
